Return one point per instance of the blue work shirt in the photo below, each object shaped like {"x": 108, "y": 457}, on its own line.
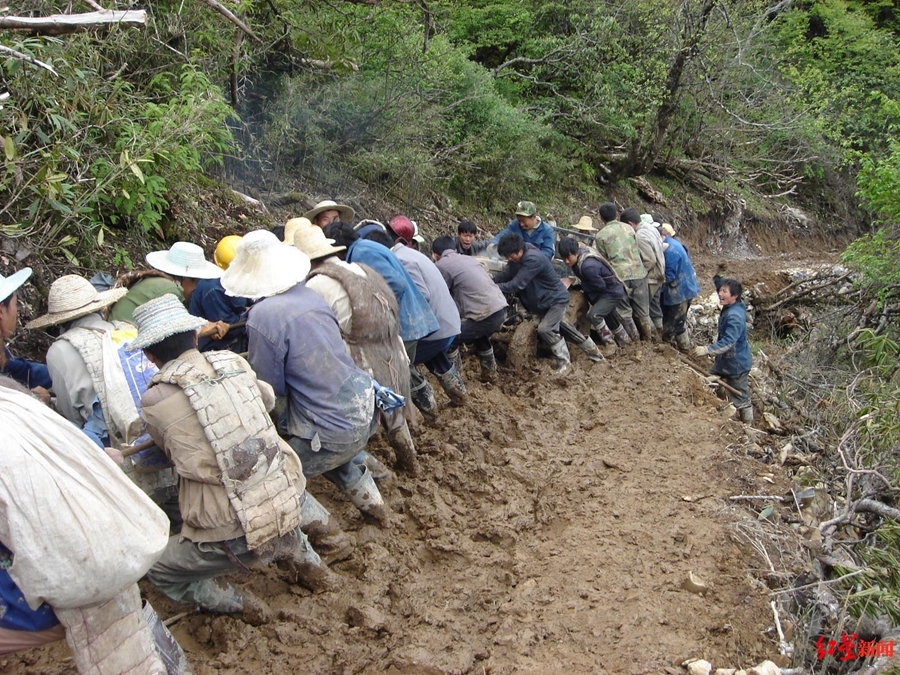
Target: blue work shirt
{"x": 208, "y": 301}
{"x": 26, "y": 372}
{"x": 296, "y": 346}
{"x": 416, "y": 318}
{"x": 543, "y": 236}
{"x": 681, "y": 280}
{"x": 731, "y": 349}
{"x": 15, "y": 614}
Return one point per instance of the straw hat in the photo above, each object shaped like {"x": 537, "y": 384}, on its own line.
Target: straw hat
{"x": 10, "y": 284}
{"x": 160, "y": 318}
{"x": 647, "y": 218}
{"x": 585, "y": 224}
{"x": 294, "y": 224}
{"x": 184, "y": 260}
{"x": 264, "y": 266}
{"x": 71, "y": 297}
{"x": 312, "y": 241}
{"x": 668, "y": 229}
{"x": 346, "y": 213}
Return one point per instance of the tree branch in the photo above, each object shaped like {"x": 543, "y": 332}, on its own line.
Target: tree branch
{"x": 68, "y": 23}
{"x": 224, "y": 11}
{"x": 25, "y": 57}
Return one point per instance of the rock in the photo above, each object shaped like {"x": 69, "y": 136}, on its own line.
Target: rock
{"x": 366, "y": 617}
{"x": 724, "y": 671}
{"x": 765, "y": 668}
{"x": 773, "y": 422}
{"x": 694, "y": 584}
{"x": 697, "y": 666}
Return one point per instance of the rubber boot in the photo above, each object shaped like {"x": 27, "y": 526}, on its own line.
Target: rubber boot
{"x": 379, "y": 471}
{"x": 331, "y": 542}
{"x": 746, "y": 415}
{"x": 658, "y": 325}
{"x": 621, "y": 337}
{"x": 561, "y": 352}
{"x": 683, "y": 342}
{"x": 453, "y": 385}
{"x": 645, "y": 328}
{"x": 404, "y": 449}
{"x": 607, "y": 340}
{"x": 591, "y": 350}
{"x": 631, "y": 329}
{"x": 365, "y": 496}
{"x": 423, "y": 397}
{"x": 488, "y": 365}
{"x": 309, "y": 569}
{"x": 224, "y": 599}
{"x": 455, "y": 357}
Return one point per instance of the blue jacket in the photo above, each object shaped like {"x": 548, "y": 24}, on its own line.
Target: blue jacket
{"x": 681, "y": 281}
{"x": 543, "y": 236}
{"x": 208, "y": 301}
{"x": 416, "y": 318}
{"x": 731, "y": 349}
{"x": 535, "y": 281}
{"x": 15, "y": 614}
{"x": 26, "y": 372}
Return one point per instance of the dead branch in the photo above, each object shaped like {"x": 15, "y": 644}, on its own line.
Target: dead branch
{"x": 804, "y": 292}
{"x": 25, "y": 57}
{"x": 878, "y": 508}
{"x": 227, "y": 13}
{"x": 714, "y": 378}
{"x": 68, "y": 23}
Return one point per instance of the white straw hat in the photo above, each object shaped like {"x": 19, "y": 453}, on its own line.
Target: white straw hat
{"x": 160, "y": 318}
{"x": 585, "y": 224}
{"x": 294, "y": 224}
{"x": 184, "y": 260}
{"x": 263, "y": 266}
{"x": 346, "y": 213}
{"x": 10, "y": 284}
{"x": 71, "y": 297}
{"x": 312, "y": 241}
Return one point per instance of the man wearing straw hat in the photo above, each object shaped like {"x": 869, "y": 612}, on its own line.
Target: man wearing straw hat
{"x": 89, "y": 380}
{"x": 240, "y": 486}
{"x": 295, "y": 345}
{"x": 328, "y": 211}
{"x": 33, "y": 375}
{"x": 368, "y": 315}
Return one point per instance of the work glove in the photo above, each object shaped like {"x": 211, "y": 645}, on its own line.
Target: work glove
{"x": 387, "y": 399}
{"x": 700, "y": 351}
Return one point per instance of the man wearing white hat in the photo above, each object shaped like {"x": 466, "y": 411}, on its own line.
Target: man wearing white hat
{"x": 368, "y": 315}
{"x": 33, "y": 375}
{"x": 328, "y": 211}
{"x": 295, "y": 345}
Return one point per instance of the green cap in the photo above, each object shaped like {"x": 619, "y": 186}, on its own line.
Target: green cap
{"x": 526, "y": 209}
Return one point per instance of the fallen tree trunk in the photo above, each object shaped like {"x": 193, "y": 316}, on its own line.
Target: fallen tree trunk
{"x": 67, "y": 23}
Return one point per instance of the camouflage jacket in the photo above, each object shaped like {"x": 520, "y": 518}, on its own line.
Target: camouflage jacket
{"x": 618, "y": 244}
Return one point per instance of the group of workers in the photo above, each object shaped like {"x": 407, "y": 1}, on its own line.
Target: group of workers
{"x": 230, "y": 383}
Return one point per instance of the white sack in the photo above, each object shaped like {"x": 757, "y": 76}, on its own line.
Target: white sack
{"x": 80, "y": 530}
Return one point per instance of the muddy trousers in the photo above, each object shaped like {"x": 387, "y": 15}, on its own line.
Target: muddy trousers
{"x": 186, "y": 570}
{"x": 479, "y": 332}
{"x": 741, "y": 383}
{"x": 638, "y": 305}
{"x": 654, "y": 290}
{"x": 605, "y": 310}
{"x": 675, "y": 319}
{"x": 548, "y": 328}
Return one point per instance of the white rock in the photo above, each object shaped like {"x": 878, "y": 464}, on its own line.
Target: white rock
{"x": 697, "y": 666}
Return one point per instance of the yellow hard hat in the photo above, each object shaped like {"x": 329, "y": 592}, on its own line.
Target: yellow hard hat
{"x": 225, "y": 249}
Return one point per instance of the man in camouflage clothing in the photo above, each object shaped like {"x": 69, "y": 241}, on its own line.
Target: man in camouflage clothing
{"x": 616, "y": 241}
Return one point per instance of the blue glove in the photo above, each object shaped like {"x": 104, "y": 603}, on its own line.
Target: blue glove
{"x": 386, "y": 399}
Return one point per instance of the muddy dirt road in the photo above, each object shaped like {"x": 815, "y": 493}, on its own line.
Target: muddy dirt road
{"x": 551, "y": 529}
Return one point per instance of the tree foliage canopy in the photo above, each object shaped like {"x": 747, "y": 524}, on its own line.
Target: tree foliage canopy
{"x": 482, "y": 102}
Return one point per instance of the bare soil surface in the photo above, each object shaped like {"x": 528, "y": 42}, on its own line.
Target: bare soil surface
{"x": 552, "y": 528}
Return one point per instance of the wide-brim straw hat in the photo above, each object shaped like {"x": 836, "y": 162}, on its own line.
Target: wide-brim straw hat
{"x": 346, "y": 213}
{"x": 72, "y": 297}
{"x": 312, "y": 241}
{"x": 294, "y": 224}
{"x": 160, "y": 318}
{"x": 184, "y": 260}
{"x": 263, "y": 266}
{"x": 585, "y": 224}
{"x": 667, "y": 229}
{"x": 10, "y": 284}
